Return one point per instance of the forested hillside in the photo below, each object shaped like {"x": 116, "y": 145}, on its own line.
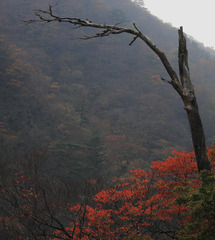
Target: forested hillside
{"x": 98, "y": 107}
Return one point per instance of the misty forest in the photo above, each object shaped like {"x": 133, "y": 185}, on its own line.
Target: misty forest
{"x": 101, "y": 135}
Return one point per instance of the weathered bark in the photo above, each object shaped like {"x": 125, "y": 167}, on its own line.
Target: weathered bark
{"x": 190, "y": 104}
{"x": 182, "y": 84}
{"x": 197, "y": 133}
{"x": 185, "y": 89}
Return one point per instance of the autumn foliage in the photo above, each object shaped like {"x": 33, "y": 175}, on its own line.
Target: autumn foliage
{"x": 142, "y": 205}
{"x": 146, "y": 205}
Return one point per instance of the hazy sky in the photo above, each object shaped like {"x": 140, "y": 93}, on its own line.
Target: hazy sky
{"x": 196, "y": 16}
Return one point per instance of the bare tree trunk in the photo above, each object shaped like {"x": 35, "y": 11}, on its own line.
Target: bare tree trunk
{"x": 197, "y": 133}
{"x": 182, "y": 84}
{"x": 184, "y": 87}
{"x": 190, "y": 103}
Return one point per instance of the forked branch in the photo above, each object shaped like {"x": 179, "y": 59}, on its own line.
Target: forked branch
{"x": 181, "y": 84}
{"x": 47, "y": 16}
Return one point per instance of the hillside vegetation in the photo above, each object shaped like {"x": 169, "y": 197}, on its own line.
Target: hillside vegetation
{"x": 98, "y": 107}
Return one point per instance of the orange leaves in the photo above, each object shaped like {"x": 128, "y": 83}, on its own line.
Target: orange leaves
{"x": 22, "y": 183}
{"x": 50, "y": 96}
{"x": 104, "y": 196}
{"x": 97, "y": 221}
{"x": 28, "y": 193}
{"x": 115, "y": 138}
{"x": 4, "y": 132}
{"x": 136, "y": 207}
{"x": 55, "y": 86}
{"x": 156, "y": 79}
{"x": 147, "y": 197}
{"x": 139, "y": 173}
{"x": 99, "y": 217}
{"x": 178, "y": 166}
{"x": 211, "y": 154}
{"x": 12, "y": 136}
{"x": 16, "y": 83}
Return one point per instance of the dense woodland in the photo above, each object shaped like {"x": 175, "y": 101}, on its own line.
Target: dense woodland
{"x": 75, "y": 114}
{"x": 77, "y": 99}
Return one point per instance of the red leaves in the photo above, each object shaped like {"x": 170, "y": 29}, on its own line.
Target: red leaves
{"x": 211, "y": 154}
{"x": 148, "y": 197}
{"x": 180, "y": 165}
{"x": 139, "y": 206}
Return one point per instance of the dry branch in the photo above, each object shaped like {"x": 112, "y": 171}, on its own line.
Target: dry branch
{"x": 181, "y": 84}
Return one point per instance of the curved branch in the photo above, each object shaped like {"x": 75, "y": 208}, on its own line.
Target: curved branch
{"x": 47, "y": 16}
{"x": 182, "y": 85}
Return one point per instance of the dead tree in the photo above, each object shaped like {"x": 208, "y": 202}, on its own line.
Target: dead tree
{"x": 181, "y": 84}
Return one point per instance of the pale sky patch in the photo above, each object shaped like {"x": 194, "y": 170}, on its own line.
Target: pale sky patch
{"x": 197, "y": 17}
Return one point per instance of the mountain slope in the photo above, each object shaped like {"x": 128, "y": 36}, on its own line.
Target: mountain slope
{"x": 98, "y": 107}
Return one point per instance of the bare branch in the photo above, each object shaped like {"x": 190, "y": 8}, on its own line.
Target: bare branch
{"x": 182, "y": 84}
{"x": 136, "y": 28}
{"x": 163, "y": 79}
{"x": 183, "y": 61}
{"x": 48, "y": 16}
{"x": 135, "y": 38}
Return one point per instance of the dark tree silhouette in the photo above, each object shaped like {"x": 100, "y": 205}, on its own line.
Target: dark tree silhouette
{"x": 182, "y": 83}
